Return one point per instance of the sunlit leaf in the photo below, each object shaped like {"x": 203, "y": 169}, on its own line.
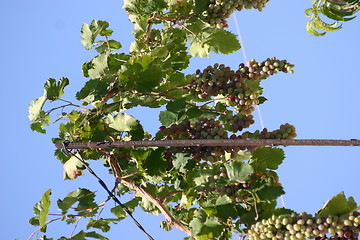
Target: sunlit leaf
{"x": 99, "y": 65}
{"x": 35, "y": 108}
{"x": 338, "y": 205}
{"x": 89, "y": 33}
{"x": 238, "y": 171}
{"x": 121, "y": 122}
{"x": 312, "y": 31}
{"x": 213, "y": 40}
{"x": 41, "y": 210}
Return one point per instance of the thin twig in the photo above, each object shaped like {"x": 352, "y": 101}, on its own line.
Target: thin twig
{"x": 183, "y": 26}
{"x": 38, "y": 230}
{"x": 76, "y": 224}
{"x": 108, "y": 45}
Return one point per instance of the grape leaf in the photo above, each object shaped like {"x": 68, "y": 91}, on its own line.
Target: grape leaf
{"x": 101, "y": 223}
{"x": 141, "y": 73}
{"x": 238, "y": 171}
{"x": 79, "y": 236}
{"x": 89, "y": 33}
{"x": 200, "y": 176}
{"x": 53, "y": 89}
{"x": 99, "y": 65}
{"x": 167, "y": 118}
{"x": 94, "y": 234}
{"x": 73, "y": 168}
{"x": 222, "y": 41}
{"x": 270, "y": 192}
{"x": 35, "y": 108}
{"x": 149, "y": 76}
{"x": 176, "y": 105}
{"x": 121, "y": 122}
{"x": 194, "y": 114}
{"x": 93, "y": 90}
{"x": 38, "y": 127}
{"x": 338, "y": 205}
{"x": 196, "y": 226}
{"x": 267, "y": 157}
{"x": 213, "y": 40}
{"x": 41, "y": 209}
{"x": 130, "y": 205}
{"x": 85, "y": 199}
{"x": 142, "y": 7}
{"x": 211, "y": 227}
{"x": 34, "y": 221}
{"x": 155, "y": 164}
{"x": 182, "y": 162}
{"x": 225, "y": 208}
{"x": 201, "y": 6}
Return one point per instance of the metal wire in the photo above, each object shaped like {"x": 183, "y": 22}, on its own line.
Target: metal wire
{"x": 66, "y": 150}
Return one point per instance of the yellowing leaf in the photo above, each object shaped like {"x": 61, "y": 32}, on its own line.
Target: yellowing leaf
{"x": 73, "y": 168}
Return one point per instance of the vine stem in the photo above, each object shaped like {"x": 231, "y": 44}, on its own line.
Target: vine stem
{"x": 77, "y": 223}
{"x": 50, "y": 221}
{"x": 66, "y": 105}
{"x": 187, "y": 103}
{"x": 132, "y": 185}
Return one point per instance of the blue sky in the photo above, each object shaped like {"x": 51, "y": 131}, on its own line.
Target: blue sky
{"x": 41, "y": 39}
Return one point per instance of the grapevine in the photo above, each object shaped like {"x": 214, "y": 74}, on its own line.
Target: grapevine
{"x": 208, "y": 192}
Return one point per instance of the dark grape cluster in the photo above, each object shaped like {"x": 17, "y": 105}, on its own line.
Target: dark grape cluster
{"x": 237, "y": 87}
{"x": 306, "y": 226}
{"x": 219, "y": 10}
{"x": 238, "y": 122}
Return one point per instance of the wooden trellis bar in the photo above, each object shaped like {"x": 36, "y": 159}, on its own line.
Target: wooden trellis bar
{"x": 209, "y": 142}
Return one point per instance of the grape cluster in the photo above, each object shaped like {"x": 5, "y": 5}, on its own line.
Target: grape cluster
{"x": 237, "y": 122}
{"x": 286, "y": 131}
{"x": 305, "y": 226}
{"x": 203, "y": 129}
{"x": 216, "y": 185}
{"x": 236, "y": 87}
{"x": 219, "y": 10}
